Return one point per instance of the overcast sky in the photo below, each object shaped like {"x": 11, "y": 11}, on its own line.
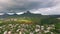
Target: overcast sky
{"x": 45, "y": 7}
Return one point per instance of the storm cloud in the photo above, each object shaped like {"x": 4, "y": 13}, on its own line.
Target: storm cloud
{"x": 35, "y": 6}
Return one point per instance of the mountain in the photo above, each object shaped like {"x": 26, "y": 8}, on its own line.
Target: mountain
{"x": 28, "y": 14}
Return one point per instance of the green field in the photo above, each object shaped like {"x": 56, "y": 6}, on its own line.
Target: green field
{"x": 27, "y": 25}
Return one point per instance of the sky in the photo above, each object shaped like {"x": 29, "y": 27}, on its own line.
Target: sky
{"x": 44, "y": 7}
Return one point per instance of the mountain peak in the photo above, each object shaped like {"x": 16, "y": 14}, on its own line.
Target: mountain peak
{"x": 28, "y": 12}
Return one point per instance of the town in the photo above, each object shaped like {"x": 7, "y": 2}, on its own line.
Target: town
{"x": 29, "y": 23}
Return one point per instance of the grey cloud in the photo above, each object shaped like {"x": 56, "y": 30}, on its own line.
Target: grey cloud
{"x": 23, "y": 5}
